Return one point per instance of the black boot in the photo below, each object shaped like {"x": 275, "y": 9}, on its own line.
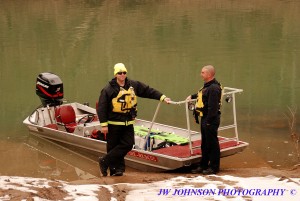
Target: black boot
{"x": 103, "y": 167}
{"x": 210, "y": 171}
{"x": 197, "y": 170}
{"x": 116, "y": 172}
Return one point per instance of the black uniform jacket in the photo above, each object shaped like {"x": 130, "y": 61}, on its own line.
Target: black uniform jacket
{"x": 111, "y": 90}
{"x": 211, "y": 97}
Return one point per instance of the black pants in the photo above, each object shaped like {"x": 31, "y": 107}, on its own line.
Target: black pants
{"x": 120, "y": 140}
{"x": 210, "y": 144}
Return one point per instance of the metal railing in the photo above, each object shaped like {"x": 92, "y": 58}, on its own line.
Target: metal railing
{"x": 228, "y": 93}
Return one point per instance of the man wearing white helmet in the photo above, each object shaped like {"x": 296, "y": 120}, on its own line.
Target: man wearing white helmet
{"x": 117, "y": 109}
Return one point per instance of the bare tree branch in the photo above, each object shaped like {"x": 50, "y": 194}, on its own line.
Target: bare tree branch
{"x": 291, "y": 116}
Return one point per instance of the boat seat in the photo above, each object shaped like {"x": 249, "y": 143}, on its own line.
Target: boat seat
{"x": 53, "y": 126}
{"x": 65, "y": 115}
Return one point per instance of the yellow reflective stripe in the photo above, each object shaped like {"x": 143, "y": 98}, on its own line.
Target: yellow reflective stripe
{"x": 199, "y": 103}
{"x": 162, "y": 97}
{"x": 121, "y": 123}
{"x": 104, "y": 124}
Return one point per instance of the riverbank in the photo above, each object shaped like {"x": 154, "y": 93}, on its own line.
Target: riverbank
{"x": 251, "y": 183}
{"x": 241, "y": 171}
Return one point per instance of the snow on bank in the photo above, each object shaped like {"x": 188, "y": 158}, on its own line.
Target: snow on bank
{"x": 178, "y": 188}
{"x": 34, "y": 186}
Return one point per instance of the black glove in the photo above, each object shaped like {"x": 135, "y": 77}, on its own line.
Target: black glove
{"x": 196, "y": 116}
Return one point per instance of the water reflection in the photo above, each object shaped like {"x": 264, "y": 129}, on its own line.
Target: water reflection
{"x": 36, "y": 157}
{"x": 62, "y": 163}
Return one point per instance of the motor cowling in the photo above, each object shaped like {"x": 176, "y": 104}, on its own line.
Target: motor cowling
{"x": 49, "y": 88}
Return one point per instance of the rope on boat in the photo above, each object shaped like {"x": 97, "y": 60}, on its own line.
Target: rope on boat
{"x": 181, "y": 102}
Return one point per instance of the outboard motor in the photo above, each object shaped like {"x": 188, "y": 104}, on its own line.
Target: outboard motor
{"x": 49, "y": 88}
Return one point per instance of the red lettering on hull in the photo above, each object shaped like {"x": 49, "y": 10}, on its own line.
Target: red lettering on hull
{"x": 143, "y": 156}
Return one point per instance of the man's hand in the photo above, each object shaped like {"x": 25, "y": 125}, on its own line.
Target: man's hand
{"x": 167, "y": 100}
{"x": 104, "y": 130}
{"x": 188, "y": 98}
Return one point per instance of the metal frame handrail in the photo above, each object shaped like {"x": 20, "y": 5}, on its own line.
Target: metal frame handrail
{"x": 227, "y": 91}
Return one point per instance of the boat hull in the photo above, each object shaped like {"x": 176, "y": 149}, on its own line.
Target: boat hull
{"x": 136, "y": 158}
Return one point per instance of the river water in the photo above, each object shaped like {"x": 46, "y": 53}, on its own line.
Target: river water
{"x": 254, "y": 45}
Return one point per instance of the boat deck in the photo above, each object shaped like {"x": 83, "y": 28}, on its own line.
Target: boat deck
{"x": 183, "y": 151}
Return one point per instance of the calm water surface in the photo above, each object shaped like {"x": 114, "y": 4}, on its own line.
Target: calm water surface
{"x": 254, "y": 45}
